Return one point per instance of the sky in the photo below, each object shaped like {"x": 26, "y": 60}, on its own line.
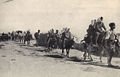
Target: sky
{"x": 46, "y": 14}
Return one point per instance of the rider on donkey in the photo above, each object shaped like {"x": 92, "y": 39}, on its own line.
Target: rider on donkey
{"x": 28, "y": 37}
{"x": 91, "y": 31}
{"x": 65, "y": 35}
{"x": 68, "y": 34}
{"x": 88, "y": 39}
{"x": 57, "y": 39}
{"x": 51, "y": 39}
{"x": 99, "y": 29}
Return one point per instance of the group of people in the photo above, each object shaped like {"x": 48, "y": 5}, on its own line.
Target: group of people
{"x": 23, "y": 37}
{"x": 19, "y": 35}
{"x": 96, "y": 28}
{"x": 62, "y": 39}
{"x": 105, "y": 40}
{"x": 97, "y": 36}
{"x": 5, "y": 37}
{"x": 54, "y": 39}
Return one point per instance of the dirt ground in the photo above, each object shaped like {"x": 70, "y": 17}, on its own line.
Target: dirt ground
{"x": 19, "y": 60}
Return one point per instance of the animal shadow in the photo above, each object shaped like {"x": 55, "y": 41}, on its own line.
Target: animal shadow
{"x": 54, "y": 56}
{"x": 22, "y": 45}
{"x": 76, "y": 59}
{"x": 1, "y": 45}
{"x": 40, "y": 50}
{"x": 102, "y": 65}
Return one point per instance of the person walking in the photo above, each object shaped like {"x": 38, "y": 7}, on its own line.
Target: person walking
{"x": 110, "y": 43}
{"x": 100, "y": 28}
{"x": 37, "y": 36}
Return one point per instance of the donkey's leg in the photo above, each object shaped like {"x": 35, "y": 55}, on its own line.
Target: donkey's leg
{"x": 101, "y": 56}
{"x": 101, "y": 50}
{"x": 67, "y": 51}
{"x": 84, "y": 55}
{"x": 63, "y": 47}
{"x": 89, "y": 51}
{"x": 62, "y": 51}
{"x": 89, "y": 55}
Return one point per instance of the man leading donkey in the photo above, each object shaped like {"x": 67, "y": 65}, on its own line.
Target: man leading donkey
{"x": 110, "y": 43}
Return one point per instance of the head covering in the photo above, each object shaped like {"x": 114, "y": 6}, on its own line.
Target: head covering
{"x": 38, "y": 30}
{"x": 112, "y": 24}
{"x": 101, "y": 18}
{"x": 98, "y": 20}
{"x": 28, "y": 31}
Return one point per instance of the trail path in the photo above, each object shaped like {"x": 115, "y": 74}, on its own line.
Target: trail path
{"x": 19, "y": 60}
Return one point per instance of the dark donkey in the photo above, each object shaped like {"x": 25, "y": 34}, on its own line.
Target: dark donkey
{"x": 67, "y": 45}
{"x": 89, "y": 47}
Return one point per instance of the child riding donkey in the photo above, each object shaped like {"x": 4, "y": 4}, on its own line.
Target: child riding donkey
{"x": 95, "y": 35}
{"x": 67, "y": 41}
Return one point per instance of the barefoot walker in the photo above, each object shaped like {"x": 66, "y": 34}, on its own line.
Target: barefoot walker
{"x": 110, "y": 42}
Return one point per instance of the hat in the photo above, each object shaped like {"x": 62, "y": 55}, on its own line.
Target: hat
{"x": 101, "y": 18}
{"x": 112, "y": 24}
{"x": 98, "y": 20}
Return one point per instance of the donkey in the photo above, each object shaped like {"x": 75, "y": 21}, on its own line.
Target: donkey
{"x": 67, "y": 45}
